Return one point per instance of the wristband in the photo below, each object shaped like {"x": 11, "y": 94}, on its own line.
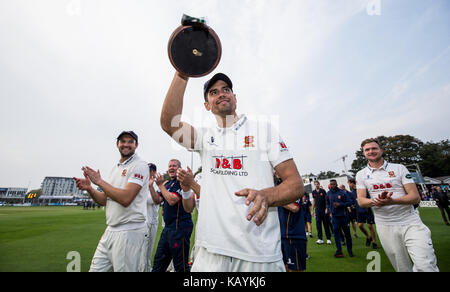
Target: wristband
{"x": 186, "y": 195}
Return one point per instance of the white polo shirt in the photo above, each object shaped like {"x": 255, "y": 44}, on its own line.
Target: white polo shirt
{"x": 152, "y": 208}
{"x": 133, "y": 170}
{"x": 235, "y": 158}
{"x": 390, "y": 177}
{"x": 198, "y": 179}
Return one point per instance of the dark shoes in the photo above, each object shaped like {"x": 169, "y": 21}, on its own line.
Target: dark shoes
{"x": 339, "y": 255}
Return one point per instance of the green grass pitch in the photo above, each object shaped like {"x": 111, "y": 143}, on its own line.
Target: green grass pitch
{"x": 38, "y": 239}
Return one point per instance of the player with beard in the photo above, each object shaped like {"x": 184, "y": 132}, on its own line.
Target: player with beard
{"x": 123, "y": 246}
{"x": 393, "y": 194}
{"x": 237, "y": 227}
{"x": 174, "y": 243}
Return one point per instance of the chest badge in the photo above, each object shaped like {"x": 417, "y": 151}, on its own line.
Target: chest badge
{"x": 248, "y": 141}
{"x": 124, "y": 172}
{"x": 391, "y": 174}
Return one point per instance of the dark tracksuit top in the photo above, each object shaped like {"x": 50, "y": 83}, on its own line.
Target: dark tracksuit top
{"x": 341, "y": 197}
{"x": 340, "y": 219}
{"x": 175, "y": 237}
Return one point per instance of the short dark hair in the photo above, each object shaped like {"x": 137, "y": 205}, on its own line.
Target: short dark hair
{"x": 352, "y": 180}
{"x": 152, "y": 167}
{"x": 333, "y": 180}
{"x": 370, "y": 140}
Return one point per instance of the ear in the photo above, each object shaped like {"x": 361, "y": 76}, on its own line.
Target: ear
{"x": 207, "y": 106}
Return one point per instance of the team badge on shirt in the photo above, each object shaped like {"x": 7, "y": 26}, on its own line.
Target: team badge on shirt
{"x": 124, "y": 172}
{"x": 249, "y": 140}
{"x": 391, "y": 174}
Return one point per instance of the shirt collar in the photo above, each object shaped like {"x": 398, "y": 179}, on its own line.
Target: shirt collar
{"x": 384, "y": 167}
{"x": 128, "y": 160}
{"x": 235, "y": 127}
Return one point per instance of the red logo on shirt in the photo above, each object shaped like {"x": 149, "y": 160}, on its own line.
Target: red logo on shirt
{"x": 229, "y": 163}
{"x": 124, "y": 172}
{"x": 283, "y": 145}
{"x": 138, "y": 176}
{"x": 249, "y": 140}
{"x": 391, "y": 174}
{"x": 382, "y": 186}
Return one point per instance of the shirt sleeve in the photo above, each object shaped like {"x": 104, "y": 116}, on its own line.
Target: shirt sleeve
{"x": 278, "y": 150}
{"x": 198, "y": 144}
{"x": 140, "y": 174}
{"x": 360, "y": 181}
{"x": 406, "y": 176}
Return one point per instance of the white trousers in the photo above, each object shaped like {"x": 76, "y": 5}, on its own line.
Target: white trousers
{"x": 121, "y": 251}
{"x": 405, "y": 243}
{"x": 152, "y": 229}
{"x": 211, "y": 262}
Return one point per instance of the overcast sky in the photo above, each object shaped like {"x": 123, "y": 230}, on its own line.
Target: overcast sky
{"x": 75, "y": 73}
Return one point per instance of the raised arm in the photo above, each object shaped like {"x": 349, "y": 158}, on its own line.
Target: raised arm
{"x": 186, "y": 179}
{"x": 122, "y": 196}
{"x": 84, "y": 184}
{"x": 155, "y": 197}
{"x": 171, "y": 123}
{"x": 171, "y": 198}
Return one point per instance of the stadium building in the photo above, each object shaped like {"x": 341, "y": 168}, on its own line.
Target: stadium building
{"x": 59, "y": 186}
{"x": 12, "y": 195}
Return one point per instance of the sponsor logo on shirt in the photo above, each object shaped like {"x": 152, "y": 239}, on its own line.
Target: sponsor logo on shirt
{"x": 283, "y": 147}
{"x": 408, "y": 176}
{"x": 382, "y": 186}
{"x": 229, "y": 165}
{"x": 138, "y": 176}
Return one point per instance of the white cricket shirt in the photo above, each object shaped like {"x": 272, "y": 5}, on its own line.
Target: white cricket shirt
{"x": 198, "y": 179}
{"x": 133, "y": 170}
{"x": 152, "y": 208}
{"x": 235, "y": 158}
{"x": 390, "y": 177}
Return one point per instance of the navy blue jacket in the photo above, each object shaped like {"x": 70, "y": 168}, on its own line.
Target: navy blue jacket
{"x": 175, "y": 217}
{"x": 341, "y": 197}
{"x": 320, "y": 198}
{"x": 292, "y": 225}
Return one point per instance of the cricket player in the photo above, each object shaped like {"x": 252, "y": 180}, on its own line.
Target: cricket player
{"x": 123, "y": 246}
{"x": 237, "y": 227}
{"x": 393, "y": 193}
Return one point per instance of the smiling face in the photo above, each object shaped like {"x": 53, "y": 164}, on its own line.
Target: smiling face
{"x": 221, "y": 99}
{"x": 127, "y": 146}
{"x": 373, "y": 152}
{"x": 173, "y": 167}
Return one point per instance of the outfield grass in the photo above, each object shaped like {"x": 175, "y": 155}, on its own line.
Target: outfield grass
{"x": 39, "y": 239}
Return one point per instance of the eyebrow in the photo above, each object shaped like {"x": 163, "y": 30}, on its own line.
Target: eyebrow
{"x": 223, "y": 87}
